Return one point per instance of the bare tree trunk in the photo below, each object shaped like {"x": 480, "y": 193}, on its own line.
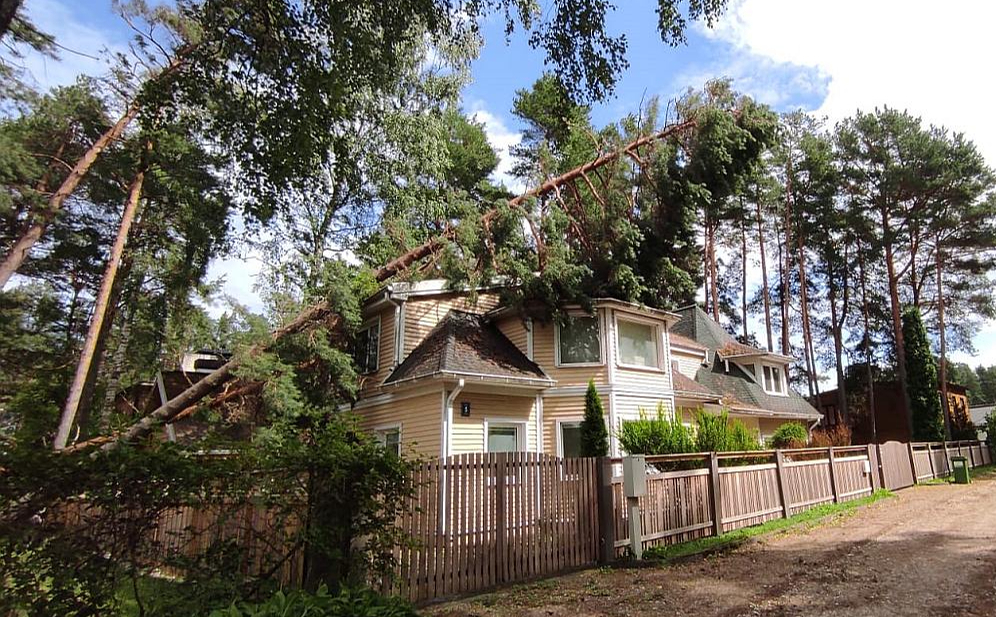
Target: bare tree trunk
{"x": 8, "y": 10}
{"x": 836, "y": 328}
{"x": 743, "y": 273}
{"x": 19, "y": 252}
{"x": 714, "y": 272}
{"x": 807, "y": 338}
{"x": 897, "y": 323}
{"x": 867, "y": 345}
{"x": 786, "y": 268}
{"x": 945, "y": 403}
{"x": 99, "y": 313}
{"x": 766, "y": 292}
{"x": 93, "y": 374}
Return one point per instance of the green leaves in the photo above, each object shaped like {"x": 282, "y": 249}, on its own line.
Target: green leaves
{"x": 925, "y": 405}
{"x": 594, "y": 435}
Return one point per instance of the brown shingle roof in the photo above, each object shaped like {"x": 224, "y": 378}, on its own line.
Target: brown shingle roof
{"x": 684, "y": 341}
{"x": 690, "y": 386}
{"x": 465, "y": 344}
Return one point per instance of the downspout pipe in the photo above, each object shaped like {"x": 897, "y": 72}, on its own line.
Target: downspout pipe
{"x": 448, "y": 419}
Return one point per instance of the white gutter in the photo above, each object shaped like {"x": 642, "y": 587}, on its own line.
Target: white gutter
{"x": 447, "y": 446}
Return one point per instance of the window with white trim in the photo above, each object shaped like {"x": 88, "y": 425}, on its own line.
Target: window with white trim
{"x": 368, "y": 348}
{"x": 579, "y": 340}
{"x": 390, "y": 438}
{"x": 637, "y": 344}
{"x": 504, "y": 437}
{"x": 773, "y": 380}
{"x": 570, "y": 438}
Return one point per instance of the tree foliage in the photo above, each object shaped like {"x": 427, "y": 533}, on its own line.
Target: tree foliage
{"x": 594, "y": 435}
{"x": 925, "y": 406}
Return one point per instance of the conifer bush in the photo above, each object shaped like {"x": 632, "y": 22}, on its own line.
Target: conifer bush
{"x": 594, "y": 435}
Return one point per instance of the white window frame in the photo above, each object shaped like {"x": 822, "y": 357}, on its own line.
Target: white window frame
{"x": 380, "y": 432}
{"x": 782, "y": 378}
{"x": 367, "y": 325}
{"x": 559, "y": 437}
{"x": 521, "y": 427}
{"x": 601, "y": 341}
{"x": 658, "y": 334}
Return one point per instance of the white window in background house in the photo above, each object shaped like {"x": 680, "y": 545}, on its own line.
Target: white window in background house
{"x": 638, "y": 344}
{"x": 504, "y": 437}
{"x": 579, "y": 341}
{"x": 368, "y": 348}
{"x": 390, "y": 438}
{"x": 773, "y": 380}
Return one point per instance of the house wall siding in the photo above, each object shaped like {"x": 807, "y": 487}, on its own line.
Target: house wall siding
{"x": 420, "y": 418}
{"x": 688, "y": 364}
{"x": 560, "y": 408}
{"x": 370, "y": 382}
{"x": 468, "y": 433}
{"x": 514, "y": 329}
{"x": 422, "y": 313}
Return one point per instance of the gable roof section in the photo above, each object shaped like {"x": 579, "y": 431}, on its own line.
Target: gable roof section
{"x": 733, "y": 384}
{"x": 465, "y": 344}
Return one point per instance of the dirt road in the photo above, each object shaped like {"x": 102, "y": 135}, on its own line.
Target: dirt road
{"x": 931, "y": 550}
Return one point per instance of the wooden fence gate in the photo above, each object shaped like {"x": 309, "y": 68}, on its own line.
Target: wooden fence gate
{"x": 481, "y": 520}
{"x": 894, "y": 458}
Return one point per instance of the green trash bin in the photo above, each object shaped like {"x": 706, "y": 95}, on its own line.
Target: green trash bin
{"x": 959, "y": 465}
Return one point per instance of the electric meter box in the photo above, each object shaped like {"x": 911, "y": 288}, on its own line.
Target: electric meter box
{"x": 635, "y": 475}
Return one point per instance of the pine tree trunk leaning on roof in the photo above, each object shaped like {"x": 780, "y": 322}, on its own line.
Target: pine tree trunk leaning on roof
{"x": 322, "y": 311}
{"x": 68, "y": 418}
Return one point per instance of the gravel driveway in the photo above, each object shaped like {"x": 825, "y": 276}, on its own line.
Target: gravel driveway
{"x": 931, "y": 550}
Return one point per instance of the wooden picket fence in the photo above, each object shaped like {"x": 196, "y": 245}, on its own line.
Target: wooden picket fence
{"x": 482, "y": 520}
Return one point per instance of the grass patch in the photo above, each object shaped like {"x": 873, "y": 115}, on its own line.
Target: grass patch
{"x": 984, "y": 472}
{"x": 809, "y": 518}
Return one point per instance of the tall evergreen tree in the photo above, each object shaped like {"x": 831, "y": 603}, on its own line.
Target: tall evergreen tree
{"x": 925, "y": 404}
{"x": 594, "y": 436}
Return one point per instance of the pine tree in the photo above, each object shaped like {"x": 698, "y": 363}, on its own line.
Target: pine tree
{"x": 928, "y": 423}
{"x": 594, "y": 435}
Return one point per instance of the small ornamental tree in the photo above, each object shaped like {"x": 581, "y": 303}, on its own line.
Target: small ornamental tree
{"x": 790, "y": 435}
{"x": 594, "y": 435}
{"x": 921, "y": 370}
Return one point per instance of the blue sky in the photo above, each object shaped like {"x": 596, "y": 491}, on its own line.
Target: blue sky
{"x": 828, "y": 57}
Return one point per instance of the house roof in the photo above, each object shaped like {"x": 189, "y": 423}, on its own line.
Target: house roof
{"x": 465, "y": 344}
{"x": 684, "y": 341}
{"x": 733, "y": 384}
{"x": 684, "y": 385}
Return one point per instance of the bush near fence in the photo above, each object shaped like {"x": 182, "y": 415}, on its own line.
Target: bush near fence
{"x": 478, "y": 521}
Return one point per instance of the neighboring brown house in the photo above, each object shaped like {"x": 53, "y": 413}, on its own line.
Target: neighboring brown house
{"x": 890, "y": 412}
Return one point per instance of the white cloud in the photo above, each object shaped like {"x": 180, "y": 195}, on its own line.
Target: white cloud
{"x": 914, "y": 55}
{"x": 502, "y": 139}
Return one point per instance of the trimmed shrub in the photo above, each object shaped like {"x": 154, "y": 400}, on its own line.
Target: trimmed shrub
{"x": 662, "y": 434}
{"x": 790, "y": 435}
{"x": 594, "y": 435}
{"x": 991, "y": 430}
{"x": 718, "y": 433}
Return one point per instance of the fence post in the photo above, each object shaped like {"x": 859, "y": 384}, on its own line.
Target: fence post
{"x": 947, "y": 459}
{"x": 881, "y": 467}
{"x": 717, "y": 495}
{"x": 782, "y": 489}
{"x": 872, "y": 476}
{"x": 930, "y": 459}
{"x": 501, "y": 516}
{"x": 606, "y": 512}
{"x": 909, "y": 446}
{"x": 833, "y": 475}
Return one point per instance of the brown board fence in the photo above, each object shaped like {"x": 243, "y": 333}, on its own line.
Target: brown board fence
{"x": 482, "y": 520}
{"x": 478, "y": 521}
